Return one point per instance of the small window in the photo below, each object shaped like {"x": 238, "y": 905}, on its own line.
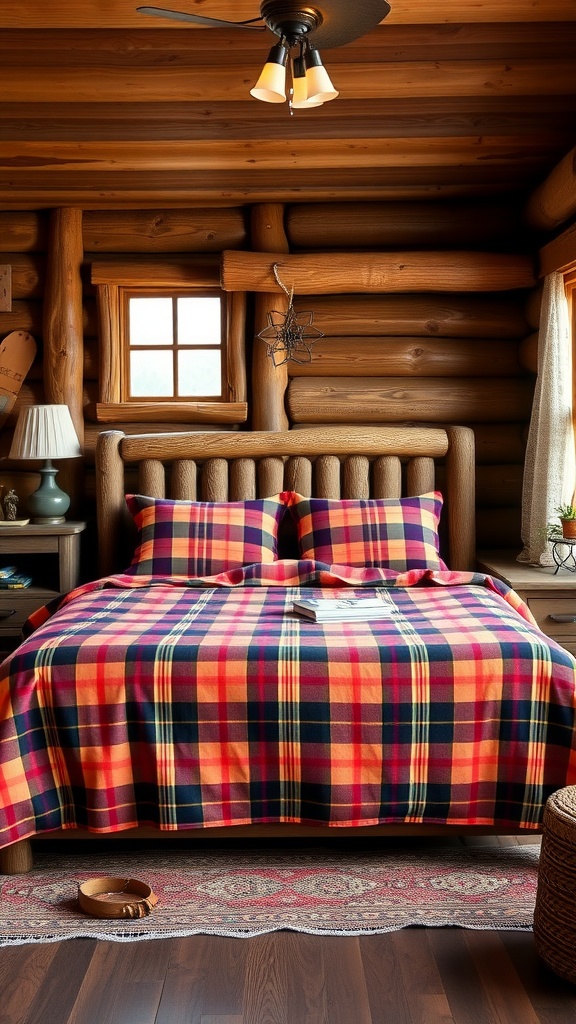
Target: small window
{"x": 174, "y": 344}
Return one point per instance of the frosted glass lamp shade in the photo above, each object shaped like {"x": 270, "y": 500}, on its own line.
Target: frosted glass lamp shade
{"x": 271, "y": 86}
{"x": 300, "y": 99}
{"x": 319, "y": 86}
{"x": 46, "y": 432}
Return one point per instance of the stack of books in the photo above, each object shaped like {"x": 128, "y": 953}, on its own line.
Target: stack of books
{"x": 344, "y": 609}
{"x": 11, "y": 579}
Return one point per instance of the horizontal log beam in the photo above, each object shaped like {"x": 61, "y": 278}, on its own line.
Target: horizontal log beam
{"x": 410, "y": 357}
{"x": 554, "y": 202}
{"x": 529, "y": 352}
{"x": 102, "y": 189}
{"x": 124, "y": 196}
{"x": 166, "y": 231}
{"x": 533, "y": 307}
{"x": 35, "y": 158}
{"x": 500, "y": 442}
{"x": 23, "y": 232}
{"x": 559, "y": 254}
{"x": 202, "y": 271}
{"x": 396, "y": 400}
{"x": 392, "y": 43}
{"x": 424, "y": 315}
{"x": 24, "y": 316}
{"x": 336, "y": 273}
{"x": 399, "y": 225}
{"x": 28, "y": 274}
{"x": 93, "y": 192}
{"x": 499, "y": 486}
{"x": 223, "y": 82}
{"x": 199, "y": 187}
{"x": 417, "y": 117}
{"x": 88, "y": 14}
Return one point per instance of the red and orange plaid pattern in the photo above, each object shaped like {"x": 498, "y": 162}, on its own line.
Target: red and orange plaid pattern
{"x": 399, "y": 534}
{"x": 197, "y": 538}
{"x": 202, "y": 705}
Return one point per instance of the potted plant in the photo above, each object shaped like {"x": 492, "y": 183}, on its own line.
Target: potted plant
{"x": 567, "y": 517}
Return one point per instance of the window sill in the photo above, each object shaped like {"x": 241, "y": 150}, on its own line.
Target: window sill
{"x": 171, "y": 412}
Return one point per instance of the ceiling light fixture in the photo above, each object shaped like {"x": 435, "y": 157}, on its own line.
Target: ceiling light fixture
{"x": 311, "y": 85}
{"x": 327, "y": 24}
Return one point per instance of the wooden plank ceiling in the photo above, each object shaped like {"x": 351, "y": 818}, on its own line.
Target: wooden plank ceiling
{"x": 104, "y": 107}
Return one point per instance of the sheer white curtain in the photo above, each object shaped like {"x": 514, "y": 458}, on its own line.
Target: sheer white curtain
{"x": 549, "y": 468}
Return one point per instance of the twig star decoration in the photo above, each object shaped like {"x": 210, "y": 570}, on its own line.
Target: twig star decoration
{"x": 289, "y": 335}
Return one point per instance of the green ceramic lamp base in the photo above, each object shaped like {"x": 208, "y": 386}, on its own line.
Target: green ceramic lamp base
{"x": 48, "y": 505}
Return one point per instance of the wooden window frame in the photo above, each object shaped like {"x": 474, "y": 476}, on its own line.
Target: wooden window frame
{"x": 126, "y": 294}
{"x": 111, "y": 279}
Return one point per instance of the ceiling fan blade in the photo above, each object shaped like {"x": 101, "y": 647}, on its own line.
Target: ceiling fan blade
{"x": 199, "y": 19}
{"x": 343, "y": 21}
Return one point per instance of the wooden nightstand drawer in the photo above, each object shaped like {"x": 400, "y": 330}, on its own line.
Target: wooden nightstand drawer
{"x": 545, "y": 608}
{"x": 15, "y": 610}
{"x": 546, "y": 590}
{"x": 51, "y": 556}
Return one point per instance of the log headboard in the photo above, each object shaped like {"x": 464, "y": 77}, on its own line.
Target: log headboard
{"x": 333, "y": 462}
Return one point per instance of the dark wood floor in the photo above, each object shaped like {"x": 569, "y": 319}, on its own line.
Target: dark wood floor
{"x": 413, "y": 976}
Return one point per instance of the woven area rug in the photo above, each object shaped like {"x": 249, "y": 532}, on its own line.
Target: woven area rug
{"x": 246, "y": 892}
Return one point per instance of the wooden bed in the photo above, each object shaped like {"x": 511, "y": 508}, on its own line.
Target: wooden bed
{"x": 352, "y": 462}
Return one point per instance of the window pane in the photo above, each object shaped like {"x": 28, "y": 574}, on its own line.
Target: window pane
{"x": 199, "y": 320}
{"x": 199, "y": 373}
{"x": 151, "y": 374}
{"x": 151, "y": 321}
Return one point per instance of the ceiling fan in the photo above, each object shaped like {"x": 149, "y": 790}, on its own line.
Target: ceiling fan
{"x": 303, "y": 27}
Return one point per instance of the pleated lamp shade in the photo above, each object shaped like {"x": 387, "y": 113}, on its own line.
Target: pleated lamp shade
{"x": 46, "y": 432}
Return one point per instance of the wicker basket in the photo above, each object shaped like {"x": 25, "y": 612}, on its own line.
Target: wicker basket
{"x": 555, "y": 910}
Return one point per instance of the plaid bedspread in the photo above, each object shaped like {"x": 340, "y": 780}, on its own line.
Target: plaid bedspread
{"x": 180, "y": 703}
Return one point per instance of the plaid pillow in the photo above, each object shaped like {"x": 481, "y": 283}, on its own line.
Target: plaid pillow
{"x": 201, "y": 538}
{"x": 386, "y": 533}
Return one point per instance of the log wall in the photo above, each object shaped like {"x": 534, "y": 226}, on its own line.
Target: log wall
{"x": 439, "y": 354}
{"x": 51, "y": 254}
{"x": 429, "y": 313}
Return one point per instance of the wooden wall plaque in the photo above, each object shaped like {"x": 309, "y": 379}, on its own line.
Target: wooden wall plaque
{"x": 5, "y": 288}
{"x": 17, "y": 352}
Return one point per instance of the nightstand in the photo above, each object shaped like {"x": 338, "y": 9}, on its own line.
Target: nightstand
{"x": 51, "y": 555}
{"x": 549, "y": 594}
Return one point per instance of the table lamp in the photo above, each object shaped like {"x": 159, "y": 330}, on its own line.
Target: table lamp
{"x": 46, "y": 432}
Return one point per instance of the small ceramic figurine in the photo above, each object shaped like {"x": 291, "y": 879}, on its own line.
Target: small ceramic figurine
{"x": 11, "y": 505}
